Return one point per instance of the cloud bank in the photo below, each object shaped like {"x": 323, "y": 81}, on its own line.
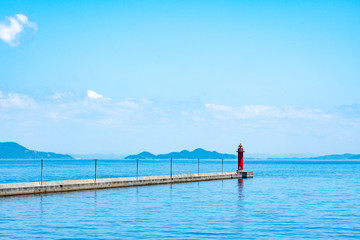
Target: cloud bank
{"x": 264, "y": 111}
{"x": 11, "y": 29}
{"x": 76, "y": 107}
{"x": 88, "y": 119}
{"x": 15, "y": 101}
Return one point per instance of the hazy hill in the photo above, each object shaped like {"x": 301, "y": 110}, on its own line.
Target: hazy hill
{"x": 98, "y": 156}
{"x": 12, "y": 150}
{"x": 338, "y": 156}
{"x": 143, "y": 155}
{"x": 185, "y": 154}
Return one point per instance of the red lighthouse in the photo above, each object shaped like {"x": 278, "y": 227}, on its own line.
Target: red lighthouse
{"x": 240, "y": 158}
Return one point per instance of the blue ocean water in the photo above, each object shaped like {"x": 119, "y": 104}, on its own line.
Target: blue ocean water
{"x": 285, "y": 200}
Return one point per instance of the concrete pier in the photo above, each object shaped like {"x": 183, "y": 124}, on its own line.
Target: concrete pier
{"x": 11, "y": 189}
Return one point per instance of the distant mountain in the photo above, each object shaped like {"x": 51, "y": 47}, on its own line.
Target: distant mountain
{"x": 185, "y": 154}
{"x": 98, "y": 156}
{"x": 143, "y": 155}
{"x": 12, "y": 150}
{"x": 338, "y": 156}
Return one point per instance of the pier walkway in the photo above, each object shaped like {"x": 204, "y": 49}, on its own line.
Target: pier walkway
{"x": 11, "y": 189}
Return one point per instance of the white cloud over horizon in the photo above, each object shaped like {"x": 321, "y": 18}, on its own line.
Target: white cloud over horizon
{"x": 15, "y": 100}
{"x": 93, "y": 95}
{"x": 131, "y": 119}
{"x": 264, "y": 111}
{"x": 10, "y": 30}
{"x": 71, "y": 102}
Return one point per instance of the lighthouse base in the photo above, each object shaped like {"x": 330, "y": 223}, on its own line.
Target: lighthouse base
{"x": 244, "y": 174}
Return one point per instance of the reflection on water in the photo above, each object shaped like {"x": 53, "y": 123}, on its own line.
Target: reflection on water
{"x": 95, "y": 196}
{"x": 41, "y": 206}
{"x": 240, "y": 187}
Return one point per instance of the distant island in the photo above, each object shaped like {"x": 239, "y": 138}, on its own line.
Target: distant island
{"x": 185, "y": 154}
{"x": 345, "y": 156}
{"x": 12, "y": 150}
{"x": 98, "y": 156}
{"x": 204, "y": 154}
{"x": 338, "y": 156}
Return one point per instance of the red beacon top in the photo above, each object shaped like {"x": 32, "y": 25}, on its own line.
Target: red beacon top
{"x": 241, "y": 148}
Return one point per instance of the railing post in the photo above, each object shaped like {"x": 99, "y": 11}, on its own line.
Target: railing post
{"x": 171, "y": 167}
{"x": 42, "y": 167}
{"x": 137, "y": 169}
{"x": 198, "y": 166}
{"x": 95, "y": 168}
{"x": 222, "y": 165}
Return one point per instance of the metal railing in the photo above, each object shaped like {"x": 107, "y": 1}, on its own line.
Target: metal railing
{"x": 57, "y": 170}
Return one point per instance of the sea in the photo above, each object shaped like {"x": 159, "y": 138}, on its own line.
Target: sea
{"x": 286, "y": 199}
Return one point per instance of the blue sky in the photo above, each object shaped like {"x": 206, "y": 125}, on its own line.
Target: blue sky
{"x": 126, "y": 76}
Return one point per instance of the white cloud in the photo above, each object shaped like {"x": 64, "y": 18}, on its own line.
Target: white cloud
{"x": 133, "y": 102}
{"x": 14, "y": 100}
{"x": 264, "y": 111}
{"x": 9, "y": 32}
{"x": 61, "y": 95}
{"x": 93, "y": 95}
{"x": 129, "y": 103}
{"x": 217, "y": 108}
{"x": 124, "y": 120}
{"x": 57, "y": 96}
{"x": 96, "y": 108}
